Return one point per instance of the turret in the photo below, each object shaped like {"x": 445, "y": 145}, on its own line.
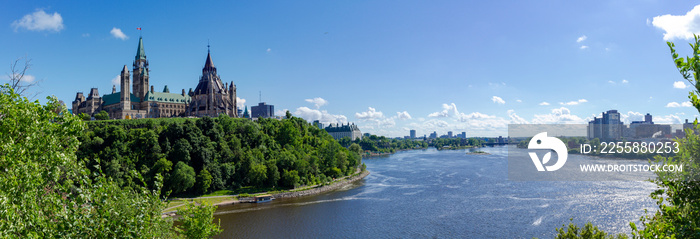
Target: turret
{"x": 125, "y": 95}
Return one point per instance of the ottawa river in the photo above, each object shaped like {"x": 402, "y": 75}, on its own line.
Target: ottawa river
{"x": 443, "y": 194}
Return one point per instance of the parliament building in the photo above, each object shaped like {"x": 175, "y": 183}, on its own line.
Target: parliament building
{"x": 211, "y": 97}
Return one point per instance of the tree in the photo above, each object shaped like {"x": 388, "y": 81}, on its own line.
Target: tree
{"x": 182, "y": 178}
{"x": 290, "y": 179}
{"x": 203, "y": 181}
{"x": 288, "y": 115}
{"x": 45, "y": 192}
{"x": 103, "y": 115}
{"x": 678, "y": 196}
{"x": 196, "y": 221}
{"x": 587, "y": 232}
{"x": 20, "y": 82}
{"x": 355, "y": 148}
{"x": 84, "y": 116}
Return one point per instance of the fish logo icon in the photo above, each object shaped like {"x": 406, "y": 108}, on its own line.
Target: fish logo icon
{"x": 541, "y": 141}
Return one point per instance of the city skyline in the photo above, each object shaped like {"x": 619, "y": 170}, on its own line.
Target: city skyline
{"x": 388, "y": 67}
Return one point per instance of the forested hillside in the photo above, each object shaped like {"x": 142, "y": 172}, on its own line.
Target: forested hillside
{"x": 197, "y": 156}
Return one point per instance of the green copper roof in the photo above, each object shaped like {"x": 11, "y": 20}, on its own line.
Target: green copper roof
{"x": 167, "y": 97}
{"x": 245, "y": 114}
{"x": 116, "y": 98}
{"x": 140, "y": 53}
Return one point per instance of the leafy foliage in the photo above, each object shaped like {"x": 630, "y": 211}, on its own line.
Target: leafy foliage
{"x": 212, "y": 154}
{"x": 587, "y": 232}
{"x": 45, "y": 192}
{"x": 196, "y": 222}
{"x": 678, "y": 193}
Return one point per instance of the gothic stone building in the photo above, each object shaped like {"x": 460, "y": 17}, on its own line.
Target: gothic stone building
{"x": 210, "y": 98}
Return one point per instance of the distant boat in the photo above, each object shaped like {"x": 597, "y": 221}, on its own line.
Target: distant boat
{"x": 263, "y": 198}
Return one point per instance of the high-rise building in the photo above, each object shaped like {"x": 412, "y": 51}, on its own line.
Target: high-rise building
{"x": 413, "y": 134}
{"x": 433, "y": 135}
{"x": 449, "y": 134}
{"x": 608, "y": 127}
{"x": 262, "y": 110}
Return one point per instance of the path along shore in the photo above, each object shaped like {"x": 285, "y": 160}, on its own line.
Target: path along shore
{"x": 305, "y": 191}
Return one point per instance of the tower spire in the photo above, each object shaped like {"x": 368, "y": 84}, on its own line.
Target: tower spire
{"x": 140, "y": 53}
{"x": 209, "y": 64}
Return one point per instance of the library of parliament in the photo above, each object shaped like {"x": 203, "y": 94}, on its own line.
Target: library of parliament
{"x": 211, "y": 97}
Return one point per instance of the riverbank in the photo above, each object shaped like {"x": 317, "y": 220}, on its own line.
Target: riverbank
{"x": 299, "y": 192}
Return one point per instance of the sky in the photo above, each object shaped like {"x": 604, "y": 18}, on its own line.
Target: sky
{"x": 387, "y": 66}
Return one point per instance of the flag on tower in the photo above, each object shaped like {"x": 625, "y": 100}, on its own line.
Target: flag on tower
{"x": 138, "y": 28}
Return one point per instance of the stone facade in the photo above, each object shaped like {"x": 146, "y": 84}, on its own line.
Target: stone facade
{"x": 211, "y": 98}
{"x": 341, "y": 131}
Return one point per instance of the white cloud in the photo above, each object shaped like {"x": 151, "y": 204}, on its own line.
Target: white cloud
{"x": 240, "y": 103}
{"x": 435, "y": 123}
{"x": 447, "y": 110}
{"x": 371, "y": 114}
{"x": 623, "y": 81}
{"x": 269, "y": 50}
{"x": 581, "y": 38}
{"x": 679, "y": 26}
{"x": 85, "y": 35}
{"x": 515, "y": 119}
{"x": 574, "y": 102}
{"x": 25, "y": 78}
{"x": 117, "y": 81}
{"x": 558, "y": 116}
{"x": 282, "y": 112}
{"x": 584, "y": 47}
{"x": 676, "y": 104}
{"x": 668, "y": 119}
{"x": 28, "y": 78}
{"x": 387, "y": 122}
{"x": 40, "y": 21}
{"x": 318, "y": 102}
{"x": 519, "y": 101}
{"x": 630, "y": 116}
{"x": 544, "y": 103}
{"x": 403, "y": 115}
{"x": 117, "y": 33}
{"x": 679, "y": 85}
{"x": 320, "y": 115}
{"x": 472, "y": 116}
{"x": 498, "y": 100}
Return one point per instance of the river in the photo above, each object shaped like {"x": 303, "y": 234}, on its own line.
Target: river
{"x": 442, "y": 194}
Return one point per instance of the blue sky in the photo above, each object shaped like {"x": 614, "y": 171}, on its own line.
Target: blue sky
{"x": 388, "y": 66}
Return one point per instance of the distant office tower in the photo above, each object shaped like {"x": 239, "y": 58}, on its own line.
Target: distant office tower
{"x": 318, "y": 124}
{"x": 433, "y": 135}
{"x": 413, "y": 134}
{"x": 449, "y": 134}
{"x": 464, "y": 135}
{"x": 608, "y": 127}
{"x": 262, "y": 110}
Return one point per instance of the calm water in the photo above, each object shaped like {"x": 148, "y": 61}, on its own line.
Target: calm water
{"x": 442, "y": 194}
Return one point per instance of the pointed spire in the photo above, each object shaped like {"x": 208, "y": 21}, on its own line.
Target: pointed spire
{"x": 209, "y": 64}
{"x": 140, "y": 53}
{"x": 125, "y": 69}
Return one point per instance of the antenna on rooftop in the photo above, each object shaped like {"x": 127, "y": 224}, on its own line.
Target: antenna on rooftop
{"x": 260, "y": 92}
